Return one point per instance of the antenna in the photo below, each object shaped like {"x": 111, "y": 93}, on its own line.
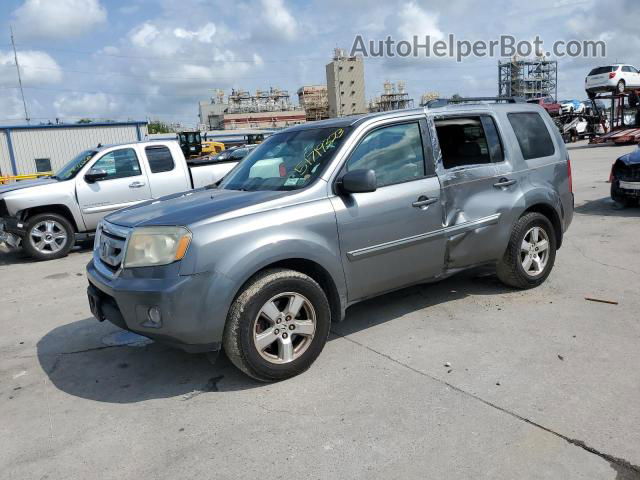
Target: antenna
{"x": 15, "y": 55}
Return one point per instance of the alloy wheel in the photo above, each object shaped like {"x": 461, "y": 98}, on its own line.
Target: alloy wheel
{"x": 48, "y": 237}
{"x": 534, "y": 251}
{"x": 284, "y": 328}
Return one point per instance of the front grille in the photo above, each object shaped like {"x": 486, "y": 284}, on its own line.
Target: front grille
{"x": 627, "y": 173}
{"x": 111, "y": 246}
{"x": 4, "y": 211}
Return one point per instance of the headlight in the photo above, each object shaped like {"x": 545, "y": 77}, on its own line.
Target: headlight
{"x": 149, "y": 246}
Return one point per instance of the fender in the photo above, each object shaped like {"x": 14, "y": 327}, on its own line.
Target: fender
{"x": 44, "y": 195}
{"x": 238, "y": 248}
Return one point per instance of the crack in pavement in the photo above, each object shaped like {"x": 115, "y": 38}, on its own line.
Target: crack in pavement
{"x": 598, "y": 262}
{"x": 626, "y": 470}
{"x": 59, "y": 355}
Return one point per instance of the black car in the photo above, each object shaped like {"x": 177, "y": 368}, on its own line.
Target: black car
{"x": 625, "y": 179}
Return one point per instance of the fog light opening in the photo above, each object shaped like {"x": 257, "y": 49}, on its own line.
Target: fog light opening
{"x": 154, "y": 316}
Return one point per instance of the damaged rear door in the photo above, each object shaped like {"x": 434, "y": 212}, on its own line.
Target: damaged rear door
{"x": 474, "y": 192}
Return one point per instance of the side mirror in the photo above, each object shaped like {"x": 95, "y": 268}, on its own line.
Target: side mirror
{"x": 359, "y": 181}
{"x": 95, "y": 174}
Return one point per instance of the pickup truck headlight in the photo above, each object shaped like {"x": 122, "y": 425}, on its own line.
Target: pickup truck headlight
{"x": 151, "y": 246}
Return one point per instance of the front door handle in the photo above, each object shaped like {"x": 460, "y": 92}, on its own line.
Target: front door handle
{"x": 504, "y": 182}
{"x": 136, "y": 185}
{"x": 423, "y": 202}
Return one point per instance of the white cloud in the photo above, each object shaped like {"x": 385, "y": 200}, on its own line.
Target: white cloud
{"x": 204, "y": 34}
{"x": 36, "y": 68}
{"x": 11, "y": 107}
{"x": 414, "y": 20}
{"x": 144, "y": 34}
{"x": 86, "y": 105}
{"x": 57, "y": 19}
{"x": 279, "y": 19}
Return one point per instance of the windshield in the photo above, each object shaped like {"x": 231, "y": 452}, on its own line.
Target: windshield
{"x": 72, "y": 168}
{"x": 287, "y": 161}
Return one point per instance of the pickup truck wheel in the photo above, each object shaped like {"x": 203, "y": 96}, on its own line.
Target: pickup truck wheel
{"x": 48, "y": 236}
{"x": 621, "y": 87}
{"x": 278, "y": 325}
{"x": 531, "y": 252}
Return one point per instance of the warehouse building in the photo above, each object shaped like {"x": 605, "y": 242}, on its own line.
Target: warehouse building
{"x": 26, "y": 149}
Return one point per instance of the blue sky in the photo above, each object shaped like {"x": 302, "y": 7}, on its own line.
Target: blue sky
{"x": 139, "y": 59}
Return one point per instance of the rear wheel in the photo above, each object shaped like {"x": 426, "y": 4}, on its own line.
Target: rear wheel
{"x": 278, "y": 325}
{"x": 620, "y": 88}
{"x": 531, "y": 252}
{"x": 48, "y": 236}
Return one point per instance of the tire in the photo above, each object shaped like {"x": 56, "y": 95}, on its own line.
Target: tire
{"x": 616, "y": 196}
{"x": 621, "y": 86}
{"x": 511, "y": 270}
{"x": 57, "y": 236}
{"x": 247, "y": 322}
{"x": 574, "y": 136}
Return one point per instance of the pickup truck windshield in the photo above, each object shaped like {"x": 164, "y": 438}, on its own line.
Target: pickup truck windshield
{"x": 72, "y": 168}
{"x": 287, "y": 161}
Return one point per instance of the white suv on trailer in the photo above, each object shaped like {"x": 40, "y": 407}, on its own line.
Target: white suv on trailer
{"x": 617, "y": 78}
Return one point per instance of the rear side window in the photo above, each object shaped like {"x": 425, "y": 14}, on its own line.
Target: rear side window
{"x": 394, "y": 153}
{"x": 532, "y": 134}
{"x": 468, "y": 141}
{"x": 160, "y": 159}
{"x": 601, "y": 70}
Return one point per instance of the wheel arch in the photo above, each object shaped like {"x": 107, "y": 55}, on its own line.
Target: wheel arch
{"x": 552, "y": 214}
{"x": 57, "y": 209}
{"x": 314, "y": 270}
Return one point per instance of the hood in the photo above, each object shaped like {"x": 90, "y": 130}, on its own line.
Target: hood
{"x": 632, "y": 158}
{"x": 25, "y": 184}
{"x": 189, "y": 207}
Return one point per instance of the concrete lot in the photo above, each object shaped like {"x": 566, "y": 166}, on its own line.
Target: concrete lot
{"x": 542, "y": 384}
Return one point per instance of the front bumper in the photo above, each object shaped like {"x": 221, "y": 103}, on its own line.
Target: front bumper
{"x": 191, "y": 319}
{"x": 11, "y": 231}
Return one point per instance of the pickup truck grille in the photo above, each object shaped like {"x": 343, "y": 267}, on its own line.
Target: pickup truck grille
{"x": 111, "y": 246}
{"x": 629, "y": 173}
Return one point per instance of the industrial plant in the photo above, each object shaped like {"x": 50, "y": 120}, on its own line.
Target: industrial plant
{"x": 528, "y": 78}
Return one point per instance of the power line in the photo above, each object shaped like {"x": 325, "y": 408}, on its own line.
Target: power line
{"x": 163, "y": 58}
{"x": 144, "y": 77}
{"x": 136, "y": 94}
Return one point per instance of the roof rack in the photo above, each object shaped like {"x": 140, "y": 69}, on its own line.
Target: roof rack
{"x": 442, "y": 102}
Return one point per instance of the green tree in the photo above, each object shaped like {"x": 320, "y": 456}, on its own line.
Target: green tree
{"x": 456, "y": 97}
{"x": 85, "y": 120}
{"x": 157, "y": 126}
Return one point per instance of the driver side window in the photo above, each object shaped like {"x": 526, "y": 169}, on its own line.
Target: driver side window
{"x": 119, "y": 164}
{"x": 395, "y": 153}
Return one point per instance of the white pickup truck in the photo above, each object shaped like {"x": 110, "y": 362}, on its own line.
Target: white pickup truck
{"x": 47, "y": 217}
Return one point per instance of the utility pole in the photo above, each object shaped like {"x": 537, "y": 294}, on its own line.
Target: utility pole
{"x": 15, "y": 55}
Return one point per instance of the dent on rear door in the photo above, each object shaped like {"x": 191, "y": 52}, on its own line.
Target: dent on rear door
{"x": 472, "y": 209}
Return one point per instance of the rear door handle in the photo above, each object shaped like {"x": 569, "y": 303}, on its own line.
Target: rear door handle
{"x": 504, "y": 182}
{"x": 136, "y": 185}
{"x": 423, "y": 202}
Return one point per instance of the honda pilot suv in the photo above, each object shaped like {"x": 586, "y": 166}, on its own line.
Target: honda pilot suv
{"x": 323, "y": 215}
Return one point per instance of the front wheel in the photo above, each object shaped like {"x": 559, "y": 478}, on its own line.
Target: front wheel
{"x": 531, "y": 252}
{"x": 278, "y": 325}
{"x": 48, "y": 236}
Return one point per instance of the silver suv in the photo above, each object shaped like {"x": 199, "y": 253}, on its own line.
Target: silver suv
{"x": 323, "y": 215}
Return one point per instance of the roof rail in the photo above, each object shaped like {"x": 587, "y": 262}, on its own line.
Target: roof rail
{"x": 442, "y": 102}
